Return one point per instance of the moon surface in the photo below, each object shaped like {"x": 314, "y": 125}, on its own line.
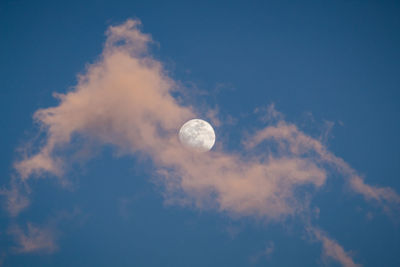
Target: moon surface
{"x": 197, "y": 135}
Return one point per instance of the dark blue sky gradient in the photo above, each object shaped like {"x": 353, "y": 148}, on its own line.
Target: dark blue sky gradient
{"x": 336, "y": 60}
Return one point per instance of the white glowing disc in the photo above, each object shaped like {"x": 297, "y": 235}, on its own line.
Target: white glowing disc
{"x": 198, "y": 135}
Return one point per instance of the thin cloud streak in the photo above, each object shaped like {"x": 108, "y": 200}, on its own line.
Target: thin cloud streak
{"x": 331, "y": 249}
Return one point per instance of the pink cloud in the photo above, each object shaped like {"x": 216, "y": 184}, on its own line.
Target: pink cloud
{"x": 292, "y": 141}
{"x": 264, "y": 254}
{"x": 331, "y": 249}
{"x": 34, "y": 239}
{"x": 16, "y": 197}
{"x": 124, "y": 100}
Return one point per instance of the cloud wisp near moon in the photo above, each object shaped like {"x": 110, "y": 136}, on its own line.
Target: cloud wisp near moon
{"x": 124, "y": 100}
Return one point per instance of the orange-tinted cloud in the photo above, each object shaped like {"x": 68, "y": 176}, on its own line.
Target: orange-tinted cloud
{"x": 292, "y": 141}
{"x": 331, "y": 249}
{"x": 33, "y": 239}
{"x": 16, "y": 197}
{"x": 124, "y": 100}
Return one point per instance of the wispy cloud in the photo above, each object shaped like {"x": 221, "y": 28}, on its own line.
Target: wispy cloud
{"x": 43, "y": 238}
{"x": 332, "y": 250}
{"x": 266, "y": 253}
{"x": 16, "y": 197}
{"x": 33, "y": 239}
{"x": 292, "y": 141}
{"x": 124, "y": 100}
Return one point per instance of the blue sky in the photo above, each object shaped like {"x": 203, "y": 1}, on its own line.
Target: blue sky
{"x": 327, "y": 73}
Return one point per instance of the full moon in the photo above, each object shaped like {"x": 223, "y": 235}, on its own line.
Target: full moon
{"x": 198, "y": 135}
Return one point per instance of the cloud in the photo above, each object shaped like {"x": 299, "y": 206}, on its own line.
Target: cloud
{"x": 266, "y": 253}
{"x": 33, "y": 239}
{"x": 124, "y": 100}
{"x": 270, "y": 249}
{"x": 383, "y": 195}
{"x": 292, "y": 141}
{"x": 331, "y": 249}
{"x": 16, "y": 197}
{"x": 42, "y": 238}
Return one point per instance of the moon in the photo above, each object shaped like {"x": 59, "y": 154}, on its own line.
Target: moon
{"x": 197, "y": 135}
